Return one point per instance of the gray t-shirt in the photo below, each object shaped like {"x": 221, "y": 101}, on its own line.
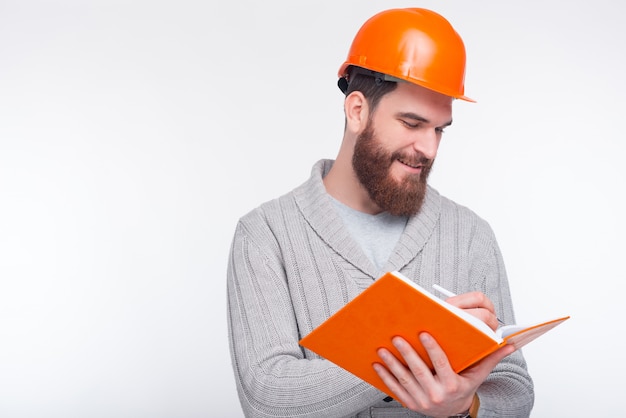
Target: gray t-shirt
{"x": 376, "y": 234}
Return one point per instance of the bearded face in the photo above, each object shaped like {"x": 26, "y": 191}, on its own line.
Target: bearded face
{"x": 372, "y": 162}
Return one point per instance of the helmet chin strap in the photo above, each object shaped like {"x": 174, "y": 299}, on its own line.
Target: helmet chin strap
{"x": 342, "y": 83}
{"x": 353, "y": 71}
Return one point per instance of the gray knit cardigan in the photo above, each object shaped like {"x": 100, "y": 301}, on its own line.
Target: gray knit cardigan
{"x": 293, "y": 264}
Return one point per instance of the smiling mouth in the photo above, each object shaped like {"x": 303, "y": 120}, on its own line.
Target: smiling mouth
{"x": 416, "y": 165}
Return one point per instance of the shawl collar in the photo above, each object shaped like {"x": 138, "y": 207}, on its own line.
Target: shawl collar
{"x": 316, "y": 207}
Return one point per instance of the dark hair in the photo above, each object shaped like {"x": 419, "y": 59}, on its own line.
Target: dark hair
{"x": 371, "y": 84}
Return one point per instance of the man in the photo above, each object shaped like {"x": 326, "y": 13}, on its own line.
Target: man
{"x": 298, "y": 259}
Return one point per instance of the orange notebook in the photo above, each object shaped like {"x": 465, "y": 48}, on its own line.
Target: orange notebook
{"x": 394, "y": 305}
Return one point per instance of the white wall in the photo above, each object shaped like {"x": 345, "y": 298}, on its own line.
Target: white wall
{"x": 134, "y": 134}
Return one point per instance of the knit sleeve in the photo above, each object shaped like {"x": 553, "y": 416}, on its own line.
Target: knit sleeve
{"x": 274, "y": 379}
{"x": 508, "y": 390}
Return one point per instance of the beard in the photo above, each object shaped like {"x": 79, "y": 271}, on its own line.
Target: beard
{"x": 372, "y": 163}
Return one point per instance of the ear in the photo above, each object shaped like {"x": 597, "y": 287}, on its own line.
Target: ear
{"x": 357, "y": 111}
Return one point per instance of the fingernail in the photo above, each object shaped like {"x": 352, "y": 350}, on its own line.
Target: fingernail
{"x": 397, "y": 342}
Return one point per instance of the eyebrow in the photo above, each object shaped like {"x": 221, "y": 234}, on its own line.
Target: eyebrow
{"x": 415, "y": 116}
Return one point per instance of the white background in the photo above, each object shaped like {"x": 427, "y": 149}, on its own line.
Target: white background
{"x": 134, "y": 134}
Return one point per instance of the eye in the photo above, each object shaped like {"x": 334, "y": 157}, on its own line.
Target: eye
{"x": 439, "y": 130}
{"x": 409, "y": 124}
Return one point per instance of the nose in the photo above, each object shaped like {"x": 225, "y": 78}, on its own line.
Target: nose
{"x": 427, "y": 143}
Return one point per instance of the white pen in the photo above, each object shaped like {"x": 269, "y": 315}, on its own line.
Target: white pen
{"x": 450, "y": 294}
{"x": 444, "y": 291}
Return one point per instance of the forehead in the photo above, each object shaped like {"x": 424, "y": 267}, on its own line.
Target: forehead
{"x": 408, "y": 97}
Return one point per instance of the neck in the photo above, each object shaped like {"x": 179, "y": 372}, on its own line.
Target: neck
{"x": 342, "y": 183}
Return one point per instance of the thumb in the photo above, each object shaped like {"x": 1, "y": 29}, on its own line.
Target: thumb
{"x": 486, "y": 365}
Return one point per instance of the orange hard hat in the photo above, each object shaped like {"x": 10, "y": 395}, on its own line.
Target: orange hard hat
{"x": 414, "y": 45}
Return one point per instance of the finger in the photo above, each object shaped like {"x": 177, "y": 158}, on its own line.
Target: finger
{"x": 493, "y": 359}
{"x": 472, "y": 300}
{"x": 443, "y": 387}
{"x": 401, "y": 372}
{"x": 390, "y": 379}
{"x": 486, "y": 316}
{"x": 437, "y": 356}
{"x": 420, "y": 371}
{"x": 481, "y": 370}
{"x": 478, "y": 305}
